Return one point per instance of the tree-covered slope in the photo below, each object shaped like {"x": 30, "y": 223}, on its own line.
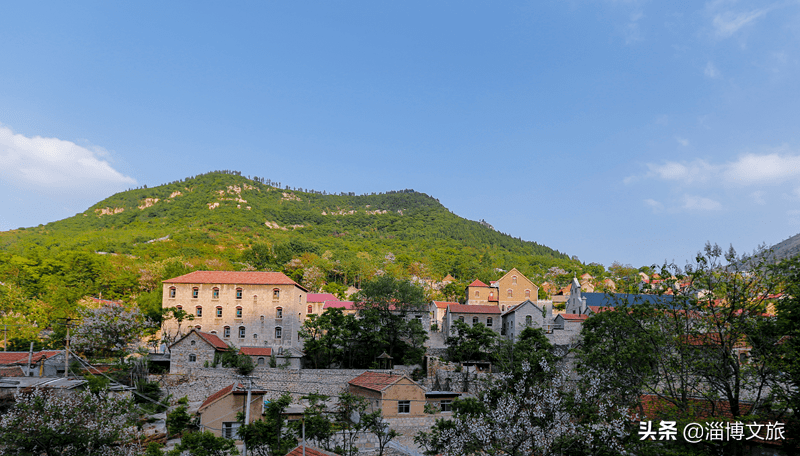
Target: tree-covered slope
{"x": 217, "y": 217}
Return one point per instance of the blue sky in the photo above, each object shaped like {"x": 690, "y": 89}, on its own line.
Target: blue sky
{"x": 630, "y": 131}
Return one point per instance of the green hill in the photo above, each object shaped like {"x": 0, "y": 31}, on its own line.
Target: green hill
{"x": 218, "y": 216}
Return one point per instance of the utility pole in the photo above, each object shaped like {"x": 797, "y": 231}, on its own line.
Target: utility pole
{"x": 5, "y": 338}
{"x": 247, "y": 410}
{"x": 66, "y": 352}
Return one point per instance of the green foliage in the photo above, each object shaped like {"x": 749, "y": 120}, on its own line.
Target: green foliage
{"x": 244, "y": 364}
{"x": 96, "y": 383}
{"x": 204, "y": 444}
{"x": 154, "y": 449}
{"x": 270, "y": 436}
{"x": 470, "y": 343}
{"x": 178, "y": 420}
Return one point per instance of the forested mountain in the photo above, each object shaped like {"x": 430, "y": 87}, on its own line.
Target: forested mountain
{"x": 788, "y": 248}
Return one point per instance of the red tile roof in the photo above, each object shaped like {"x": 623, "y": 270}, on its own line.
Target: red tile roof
{"x": 320, "y": 297}
{"x": 11, "y": 371}
{"x": 574, "y": 317}
{"x": 375, "y": 381}
{"x": 443, "y": 304}
{"x": 598, "y": 309}
{"x": 219, "y": 394}
{"x": 212, "y": 339}
{"x": 22, "y": 357}
{"x": 477, "y": 283}
{"x": 235, "y": 277}
{"x": 106, "y": 301}
{"x": 349, "y": 305}
{"x": 310, "y": 451}
{"x": 256, "y": 351}
{"x": 464, "y": 308}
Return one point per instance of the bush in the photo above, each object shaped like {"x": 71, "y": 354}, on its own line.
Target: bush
{"x": 178, "y": 420}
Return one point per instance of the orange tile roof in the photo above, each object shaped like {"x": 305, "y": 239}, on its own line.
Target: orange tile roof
{"x": 574, "y": 317}
{"x": 443, "y": 304}
{"x": 477, "y": 283}
{"x": 320, "y": 297}
{"x": 310, "y": 451}
{"x": 13, "y": 357}
{"x": 256, "y": 351}
{"x": 464, "y": 308}
{"x": 212, "y": 339}
{"x": 235, "y": 277}
{"x": 11, "y": 371}
{"x": 219, "y": 394}
{"x": 375, "y": 381}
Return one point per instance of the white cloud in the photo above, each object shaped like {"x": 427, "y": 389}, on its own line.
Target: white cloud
{"x": 55, "y": 164}
{"x": 654, "y": 205}
{"x": 711, "y": 71}
{"x": 727, "y": 23}
{"x": 699, "y": 203}
{"x": 752, "y": 169}
{"x": 687, "y": 173}
{"x": 683, "y": 142}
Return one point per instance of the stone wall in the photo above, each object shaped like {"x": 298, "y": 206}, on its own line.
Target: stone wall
{"x": 202, "y": 382}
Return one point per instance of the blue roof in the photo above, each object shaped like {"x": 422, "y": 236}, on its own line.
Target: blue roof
{"x": 611, "y": 299}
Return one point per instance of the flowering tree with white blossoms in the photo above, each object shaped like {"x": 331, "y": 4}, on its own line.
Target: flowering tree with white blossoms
{"x": 540, "y": 412}
{"x": 60, "y": 423}
{"x": 110, "y": 330}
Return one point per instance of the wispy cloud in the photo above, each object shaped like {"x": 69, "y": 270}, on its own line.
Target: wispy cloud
{"x": 687, "y": 173}
{"x": 55, "y": 164}
{"x": 711, "y": 71}
{"x": 656, "y": 206}
{"x": 726, "y": 24}
{"x": 682, "y": 141}
{"x": 700, "y": 203}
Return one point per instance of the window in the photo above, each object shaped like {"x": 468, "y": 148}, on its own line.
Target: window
{"x": 276, "y": 293}
{"x": 241, "y": 332}
{"x": 528, "y": 320}
{"x": 491, "y": 295}
{"x": 510, "y": 293}
{"x": 194, "y": 342}
{"x": 489, "y": 321}
{"x": 230, "y": 430}
{"x": 527, "y": 293}
{"x": 172, "y": 292}
{"x": 193, "y": 358}
{"x": 198, "y": 327}
{"x": 446, "y": 406}
{"x": 477, "y": 294}
{"x": 195, "y": 292}
{"x": 278, "y": 332}
{"x": 279, "y": 312}
{"x": 310, "y": 309}
{"x": 199, "y": 312}
{"x": 214, "y": 333}
{"x": 261, "y": 361}
{"x": 255, "y": 336}
{"x": 474, "y": 321}
{"x": 219, "y": 311}
{"x": 503, "y": 308}
{"x": 215, "y": 293}
{"x": 238, "y": 311}
{"x": 179, "y": 307}
{"x": 461, "y": 318}
{"x": 514, "y": 280}
{"x": 226, "y": 331}
{"x": 262, "y": 318}
{"x": 238, "y": 293}
{"x": 403, "y": 407}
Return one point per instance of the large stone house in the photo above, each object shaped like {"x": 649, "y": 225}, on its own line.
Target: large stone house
{"x": 529, "y": 314}
{"x": 242, "y": 308}
{"x": 472, "y": 315}
{"x": 505, "y": 292}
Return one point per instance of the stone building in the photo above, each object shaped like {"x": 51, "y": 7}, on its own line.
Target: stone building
{"x": 393, "y": 395}
{"x": 489, "y": 315}
{"x": 529, "y": 314}
{"x": 242, "y": 308}
{"x": 505, "y": 292}
{"x": 194, "y": 350}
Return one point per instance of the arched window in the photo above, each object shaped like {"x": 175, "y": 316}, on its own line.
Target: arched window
{"x": 279, "y": 312}
{"x": 528, "y": 320}
{"x": 461, "y": 318}
{"x": 238, "y": 293}
{"x": 527, "y": 293}
{"x": 172, "y": 292}
{"x": 510, "y": 293}
{"x": 226, "y": 331}
{"x": 474, "y": 321}
{"x": 278, "y": 332}
{"x": 261, "y": 361}
{"x": 242, "y": 332}
{"x": 491, "y": 295}
{"x": 195, "y": 292}
{"x": 310, "y": 309}
{"x": 514, "y": 280}
{"x": 219, "y": 311}
{"x": 477, "y": 293}
{"x": 198, "y": 327}
{"x": 238, "y": 311}
{"x": 192, "y": 358}
{"x": 262, "y": 318}
{"x": 502, "y": 308}
{"x": 199, "y": 311}
{"x": 215, "y": 293}
{"x": 179, "y": 307}
{"x": 255, "y": 336}
{"x": 489, "y": 321}
{"x": 276, "y": 293}
{"x": 194, "y": 342}
{"x": 214, "y": 332}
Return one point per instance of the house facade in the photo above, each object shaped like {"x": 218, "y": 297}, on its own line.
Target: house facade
{"x": 527, "y": 315}
{"x": 505, "y": 292}
{"x": 241, "y": 308}
{"x": 489, "y": 315}
{"x": 219, "y": 411}
{"x": 396, "y": 396}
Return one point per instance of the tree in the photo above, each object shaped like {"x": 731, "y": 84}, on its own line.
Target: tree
{"x": 470, "y": 343}
{"x": 204, "y": 444}
{"x": 269, "y": 436}
{"x": 788, "y": 308}
{"x": 318, "y": 426}
{"x": 349, "y": 412}
{"x": 377, "y": 426}
{"x": 71, "y": 424}
{"x": 109, "y": 330}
